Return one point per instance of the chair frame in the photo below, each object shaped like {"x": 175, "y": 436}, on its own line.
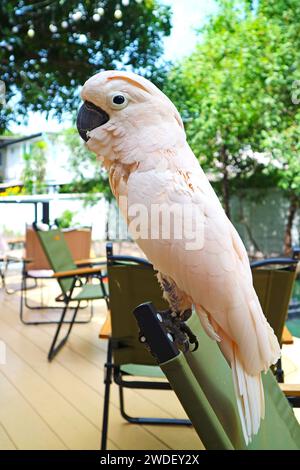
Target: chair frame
{"x": 290, "y": 264}
{"x": 77, "y": 276}
{"x": 59, "y": 298}
{"x": 113, "y": 373}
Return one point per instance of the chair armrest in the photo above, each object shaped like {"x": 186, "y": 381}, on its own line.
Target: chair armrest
{"x": 105, "y": 332}
{"x": 14, "y": 258}
{"x": 27, "y": 260}
{"x": 286, "y": 337}
{"x": 77, "y": 272}
{"x": 290, "y": 390}
{"x": 89, "y": 261}
{"x": 17, "y": 259}
{"x": 16, "y": 241}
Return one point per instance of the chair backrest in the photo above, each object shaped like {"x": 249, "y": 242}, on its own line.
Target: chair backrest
{"x": 131, "y": 281}
{"x": 78, "y": 241}
{"x": 58, "y": 254}
{"x": 203, "y": 383}
{"x": 273, "y": 282}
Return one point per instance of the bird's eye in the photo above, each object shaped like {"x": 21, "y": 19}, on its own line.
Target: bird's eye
{"x": 118, "y": 100}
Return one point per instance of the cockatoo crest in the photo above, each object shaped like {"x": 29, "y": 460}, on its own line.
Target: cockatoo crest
{"x": 125, "y": 136}
{"x": 99, "y": 87}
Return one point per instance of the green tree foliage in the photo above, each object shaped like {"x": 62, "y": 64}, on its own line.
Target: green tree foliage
{"x": 284, "y": 148}
{"x": 35, "y": 169}
{"x": 48, "y": 48}
{"x": 236, "y": 89}
{"x": 66, "y": 220}
{"x": 89, "y": 176}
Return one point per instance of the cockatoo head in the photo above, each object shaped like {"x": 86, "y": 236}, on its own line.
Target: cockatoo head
{"x": 121, "y": 108}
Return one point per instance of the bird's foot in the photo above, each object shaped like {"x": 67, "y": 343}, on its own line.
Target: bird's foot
{"x": 191, "y": 337}
{"x": 181, "y": 333}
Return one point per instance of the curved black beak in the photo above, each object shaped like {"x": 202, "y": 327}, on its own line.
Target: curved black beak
{"x": 89, "y": 117}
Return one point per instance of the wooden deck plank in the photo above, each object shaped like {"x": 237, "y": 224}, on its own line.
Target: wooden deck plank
{"x": 75, "y": 431}
{"x": 86, "y": 401}
{"x": 26, "y": 428}
{"x": 6, "y": 442}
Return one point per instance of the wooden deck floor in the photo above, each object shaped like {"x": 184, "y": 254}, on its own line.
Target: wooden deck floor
{"x": 59, "y": 405}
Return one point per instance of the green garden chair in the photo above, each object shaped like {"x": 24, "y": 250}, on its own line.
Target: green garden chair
{"x": 131, "y": 280}
{"x": 75, "y": 283}
{"x": 202, "y": 381}
{"x": 36, "y": 269}
{"x": 273, "y": 280}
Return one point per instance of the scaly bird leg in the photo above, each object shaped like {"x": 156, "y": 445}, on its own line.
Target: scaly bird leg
{"x": 180, "y": 331}
{"x": 180, "y": 312}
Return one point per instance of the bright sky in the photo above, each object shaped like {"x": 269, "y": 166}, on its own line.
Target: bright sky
{"x": 187, "y": 16}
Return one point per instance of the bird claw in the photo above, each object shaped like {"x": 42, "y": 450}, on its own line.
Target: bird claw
{"x": 191, "y": 337}
{"x": 175, "y": 324}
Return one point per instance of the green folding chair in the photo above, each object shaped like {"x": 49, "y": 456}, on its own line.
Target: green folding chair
{"x": 202, "y": 381}
{"x": 131, "y": 280}
{"x": 273, "y": 280}
{"x": 35, "y": 269}
{"x": 70, "y": 279}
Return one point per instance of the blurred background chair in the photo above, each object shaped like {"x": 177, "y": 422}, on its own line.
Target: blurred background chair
{"x": 131, "y": 280}
{"x": 273, "y": 280}
{"x": 75, "y": 282}
{"x": 36, "y": 266}
{"x": 9, "y": 254}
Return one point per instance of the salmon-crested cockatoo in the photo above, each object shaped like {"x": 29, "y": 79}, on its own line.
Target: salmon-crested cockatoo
{"x": 138, "y": 134}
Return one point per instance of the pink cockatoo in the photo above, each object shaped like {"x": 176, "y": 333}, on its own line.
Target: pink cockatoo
{"x": 138, "y": 134}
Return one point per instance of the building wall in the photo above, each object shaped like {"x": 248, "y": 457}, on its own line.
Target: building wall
{"x": 13, "y": 162}
{"x": 57, "y": 155}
